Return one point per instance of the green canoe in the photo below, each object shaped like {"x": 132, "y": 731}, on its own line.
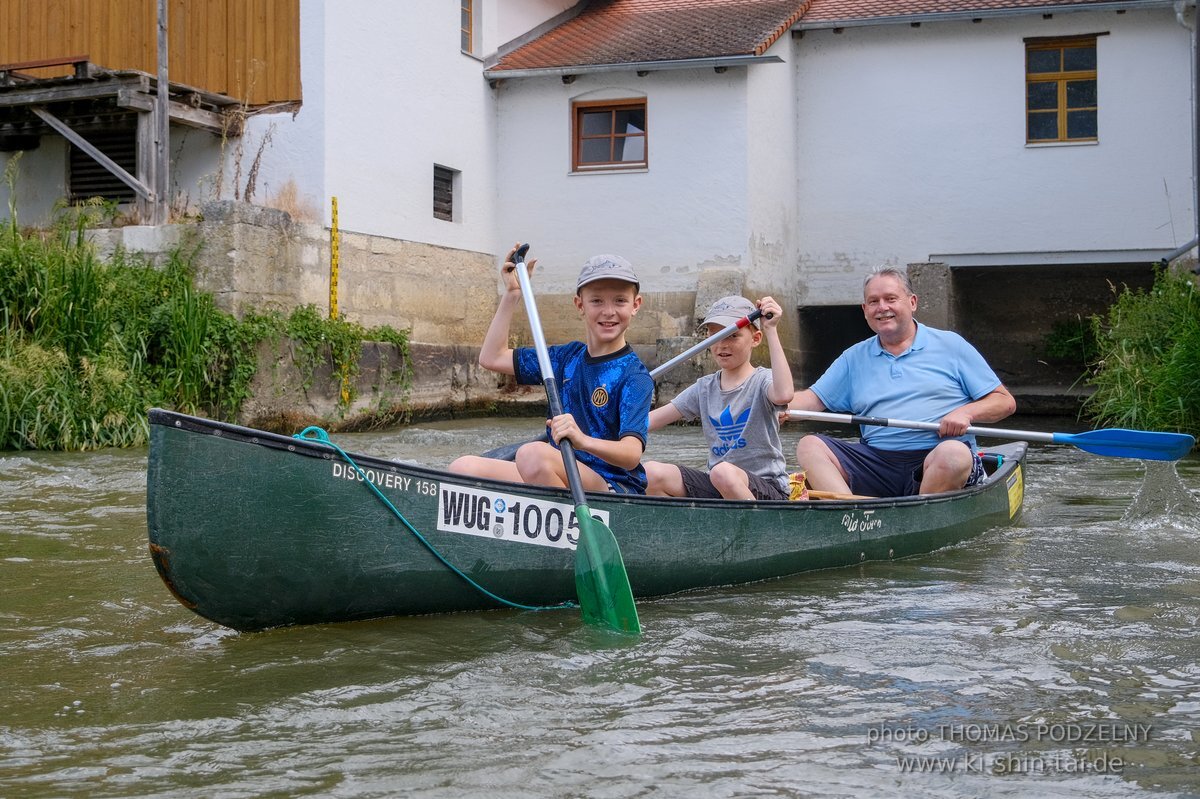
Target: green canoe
{"x": 255, "y": 530}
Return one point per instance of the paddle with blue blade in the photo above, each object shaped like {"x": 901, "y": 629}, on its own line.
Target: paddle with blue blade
{"x": 601, "y": 583}
{"x": 1112, "y": 442}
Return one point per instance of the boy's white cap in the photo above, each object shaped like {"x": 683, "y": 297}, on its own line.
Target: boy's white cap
{"x": 606, "y": 267}
{"x": 729, "y": 310}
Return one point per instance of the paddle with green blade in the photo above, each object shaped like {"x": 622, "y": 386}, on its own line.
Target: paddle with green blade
{"x": 601, "y": 583}
{"x": 1113, "y": 442}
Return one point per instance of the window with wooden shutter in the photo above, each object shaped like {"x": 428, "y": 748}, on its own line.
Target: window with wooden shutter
{"x": 86, "y": 178}
{"x": 444, "y": 179}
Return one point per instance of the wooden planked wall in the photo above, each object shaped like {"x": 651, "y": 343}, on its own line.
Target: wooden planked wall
{"x": 247, "y": 49}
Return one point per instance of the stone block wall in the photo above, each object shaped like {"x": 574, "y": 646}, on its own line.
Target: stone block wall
{"x": 254, "y": 257}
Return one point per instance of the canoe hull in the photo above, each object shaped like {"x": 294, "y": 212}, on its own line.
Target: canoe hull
{"x": 254, "y": 530}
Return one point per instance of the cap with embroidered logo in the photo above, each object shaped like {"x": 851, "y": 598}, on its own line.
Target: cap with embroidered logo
{"x": 606, "y": 267}
{"x": 729, "y": 310}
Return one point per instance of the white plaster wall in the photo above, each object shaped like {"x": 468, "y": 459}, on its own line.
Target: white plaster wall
{"x": 196, "y": 158}
{"x": 40, "y": 181}
{"x": 685, "y": 213}
{"x": 505, "y": 20}
{"x": 771, "y": 157}
{"x": 387, "y": 94}
{"x": 912, "y": 142}
{"x": 401, "y": 98}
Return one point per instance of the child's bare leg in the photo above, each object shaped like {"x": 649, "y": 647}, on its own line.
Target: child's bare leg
{"x": 731, "y": 481}
{"x": 490, "y": 468}
{"x": 541, "y": 464}
{"x": 663, "y": 480}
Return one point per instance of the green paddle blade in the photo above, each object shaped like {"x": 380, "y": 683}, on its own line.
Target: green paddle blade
{"x": 605, "y": 596}
{"x": 1119, "y": 443}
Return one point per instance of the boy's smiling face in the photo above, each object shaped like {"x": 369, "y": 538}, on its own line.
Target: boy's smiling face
{"x": 608, "y": 306}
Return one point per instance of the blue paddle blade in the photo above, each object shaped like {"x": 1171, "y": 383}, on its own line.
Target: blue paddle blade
{"x": 605, "y": 596}
{"x": 1118, "y": 443}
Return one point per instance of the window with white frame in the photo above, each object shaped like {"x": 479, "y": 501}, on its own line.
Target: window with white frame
{"x": 608, "y": 135}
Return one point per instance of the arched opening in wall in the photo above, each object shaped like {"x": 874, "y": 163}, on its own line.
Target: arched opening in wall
{"x": 826, "y": 330}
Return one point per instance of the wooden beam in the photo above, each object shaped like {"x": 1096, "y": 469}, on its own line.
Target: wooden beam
{"x": 198, "y": 118}
{"x": 87, "y": 91}
{"x": 74, "y": 60}
{"x": 162, "y": 121}
{"x": 99, "y": 157}
{"x": 144, "y": 163}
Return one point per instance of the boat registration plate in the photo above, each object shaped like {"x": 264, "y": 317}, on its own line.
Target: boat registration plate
{"x": 495, "y": 514}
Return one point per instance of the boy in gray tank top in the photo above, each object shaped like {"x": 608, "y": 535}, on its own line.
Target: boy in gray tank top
{"x": 738, "y": 408}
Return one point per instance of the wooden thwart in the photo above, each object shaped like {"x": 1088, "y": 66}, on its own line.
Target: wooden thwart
{"x": 815, "y": 494}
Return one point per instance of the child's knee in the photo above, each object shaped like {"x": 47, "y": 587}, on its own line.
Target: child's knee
{"x": 463, "y": 465}
{"x": 725, "y": 475}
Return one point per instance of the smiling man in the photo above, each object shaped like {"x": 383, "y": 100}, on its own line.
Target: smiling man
{"x": 906, "y": 370}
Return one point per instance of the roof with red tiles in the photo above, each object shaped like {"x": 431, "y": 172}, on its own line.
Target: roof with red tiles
{"x": 643, "y": 31}
{"x": 826, "y": 11}
{"x": 615, "y": 32}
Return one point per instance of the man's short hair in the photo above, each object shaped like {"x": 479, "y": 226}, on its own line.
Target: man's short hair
{"x": 889, "y": 271}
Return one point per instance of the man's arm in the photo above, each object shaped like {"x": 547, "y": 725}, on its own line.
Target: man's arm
{"x": 993, "y": 407}
{"x": 806, "y": 400}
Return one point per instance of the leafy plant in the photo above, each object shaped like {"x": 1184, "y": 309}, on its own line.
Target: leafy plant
{"x": 1072, "y": 341}
{"x": 1147, "y": 373}
{"x": 87, "y": 346}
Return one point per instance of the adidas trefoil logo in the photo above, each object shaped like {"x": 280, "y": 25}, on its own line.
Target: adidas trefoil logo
{"x": 729, "y": 430}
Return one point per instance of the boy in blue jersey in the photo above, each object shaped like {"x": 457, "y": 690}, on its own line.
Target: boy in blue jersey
{"x": 606, "y": 391}
{"x": 738, "y": 407}
{"x": 905, "y": 371}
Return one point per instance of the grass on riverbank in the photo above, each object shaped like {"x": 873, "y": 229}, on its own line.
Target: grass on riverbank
{"x": 1147, "y": 371}
{"x": 87, "y": 346}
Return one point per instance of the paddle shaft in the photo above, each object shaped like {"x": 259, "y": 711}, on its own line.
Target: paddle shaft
{"x": 547, "y": 369}
{"x": 1114, "y": 443}
{"x": 876, "y": 421}
{"x": 708, "y": 342}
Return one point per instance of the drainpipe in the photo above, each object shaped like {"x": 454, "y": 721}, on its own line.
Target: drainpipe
{"x": 1195, "y": 29}
{"x": 1178, "y": 251}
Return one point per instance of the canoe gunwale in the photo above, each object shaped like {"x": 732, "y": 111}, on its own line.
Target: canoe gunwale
{"x": 1014, "y": 454}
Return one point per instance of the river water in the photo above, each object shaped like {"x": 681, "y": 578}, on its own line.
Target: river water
{"x": 1059, "y": 657}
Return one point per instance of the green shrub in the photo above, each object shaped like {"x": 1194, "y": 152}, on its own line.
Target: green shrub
{"x": 1147, "y": 373}
{"x": 1071, "y": 341}
{"x": 88, "y": 346}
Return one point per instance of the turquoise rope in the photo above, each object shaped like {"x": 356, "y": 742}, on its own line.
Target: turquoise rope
{"x": 323, "y": 437}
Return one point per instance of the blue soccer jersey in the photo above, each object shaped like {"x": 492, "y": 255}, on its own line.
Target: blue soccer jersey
{"x": 609, "y": 397}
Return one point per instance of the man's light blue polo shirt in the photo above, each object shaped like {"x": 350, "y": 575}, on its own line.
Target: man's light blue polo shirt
{"x": 938, "y": 373}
